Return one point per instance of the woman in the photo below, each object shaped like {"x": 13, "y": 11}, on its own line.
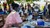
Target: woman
{"x": 13, "y": 18}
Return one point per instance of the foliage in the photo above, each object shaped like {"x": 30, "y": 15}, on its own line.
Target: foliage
{"x": 10, "y": 1}
{"x": 35, "y": 0}
{"x": 27, "y": 0}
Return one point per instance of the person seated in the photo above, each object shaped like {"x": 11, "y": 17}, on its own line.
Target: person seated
{"x": 13, "y": 19}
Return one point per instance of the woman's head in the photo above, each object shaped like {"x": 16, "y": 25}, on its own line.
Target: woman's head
{"x": 15, "y": 6}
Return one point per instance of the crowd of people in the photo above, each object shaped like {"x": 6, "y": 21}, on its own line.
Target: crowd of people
{"x": 27, "y": 13}
{"x": 27, "y": 9}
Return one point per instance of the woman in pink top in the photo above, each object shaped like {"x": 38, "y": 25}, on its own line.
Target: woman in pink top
{"x": 13, "y": 17}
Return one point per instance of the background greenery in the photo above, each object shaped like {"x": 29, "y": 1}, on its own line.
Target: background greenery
{"x": 9, "y": 1}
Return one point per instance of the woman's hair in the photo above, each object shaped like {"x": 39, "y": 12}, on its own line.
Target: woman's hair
{"x": 15, "y": 6}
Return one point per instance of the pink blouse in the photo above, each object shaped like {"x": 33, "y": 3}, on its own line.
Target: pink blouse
{"x": 12, "y": 18}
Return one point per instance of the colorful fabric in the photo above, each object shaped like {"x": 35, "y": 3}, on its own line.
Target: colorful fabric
{"x": 12, "y": 18}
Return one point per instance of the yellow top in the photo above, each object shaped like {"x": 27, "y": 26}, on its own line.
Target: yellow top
{"x": 42, "y": 8}
{"x": 7, "y": 7}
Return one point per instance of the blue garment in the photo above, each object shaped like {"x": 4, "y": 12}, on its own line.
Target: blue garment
{"x": 40, "y": 22}
{"x": 2, "y": 12}
{"x": 45, "y": 10}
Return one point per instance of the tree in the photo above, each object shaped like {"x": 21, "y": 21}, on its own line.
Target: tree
{"x": 17, "y": 0}
{"x": 35, "y": 0}
{"x": 27, "y": 0}
{"x": 10, "y": 1}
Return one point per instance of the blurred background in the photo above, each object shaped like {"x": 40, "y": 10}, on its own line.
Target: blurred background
{"x": 34, "y": 13}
